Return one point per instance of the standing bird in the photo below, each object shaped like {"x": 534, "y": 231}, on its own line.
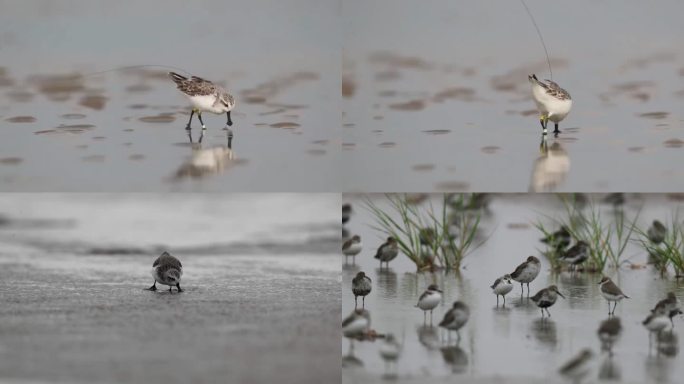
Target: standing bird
{"x": 501, "y": 287}
{"x": 356, "y": 325}
{"x": 576, "y": 255}
{"x": 609, "y": 332}
{"x": 429, "y": 300}
{"x": 526, "y": 272}
{"x": 204, "y": 96}
{"x": 361, "y": 286}
{"x": 455, "y": 318}
{"x": 390, "y": 350}
{"x": 578, "y": 367}
{"x": 559, "y": 239}
{"x": 611, "y": 292}
{"x": 546, "y": 298}
{"x": 346, "y": 212}
{"x": 656, "y": 232}
{"x": 167, "y": 270}
{"x": 669, "y": 306}
{"x": 352, "y": 247}
{"x": 655, "y": 323}
{"x": 387, "y": 251}
{"x": 553, "y": 102}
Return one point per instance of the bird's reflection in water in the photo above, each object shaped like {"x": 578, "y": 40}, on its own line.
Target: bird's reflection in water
{"x": 387, "y": 283}
{"x": 609, "y": 369}
{"x": 551, "y": 168}
{"x": 350, "y": 360}
{"x": 207, "y": 161}
{"x": 455, "y": 357}
{"x": 668, "y": 343}
{"x": 545, "y": 332}
{"x": 428, "y": 336}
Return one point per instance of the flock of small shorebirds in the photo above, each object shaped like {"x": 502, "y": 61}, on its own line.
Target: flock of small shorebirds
{"x": 357, "y": 324}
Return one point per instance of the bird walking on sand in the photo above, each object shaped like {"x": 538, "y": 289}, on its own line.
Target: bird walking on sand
{"x": 429, "y": 300}
{"x": 546, "y": 298}
{"x": 204, "y": 96}
{"x": 526, "y": 273}
{"x": 387, "y": 251}
{"x": 361, "y": 286}
{"x": 611, "y": 292}
{"x": 167, "y": 270}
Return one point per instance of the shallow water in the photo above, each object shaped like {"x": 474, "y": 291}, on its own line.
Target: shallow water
{"x": 460, "y": 69}
{"x": 73, "y": 269}
{"x": 67, "y": 129}
{"x": 510, "y": 342}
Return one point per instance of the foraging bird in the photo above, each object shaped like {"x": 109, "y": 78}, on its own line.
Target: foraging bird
{"x": 356, "y": 325}
{"x": 526, "y": 272}
{"x": 669, "y": 306}
{"x": 559, "y": 239}
{"x": 576, "y": 255}
{"x": 167, "y": 270}
{"x": 656, "y": 232}
{"x": 387, "y": 251}
{"x": 611, "y": 292}
{"x": 352, "y": 247}
{"x": 546, "y": 298}
{"x": 501, "y": 287}
{"x": 609, "y": 332}
{"x": 578, "y": 367}
{"x": 429, "y": 300}
{"x": 204, "y": 96}
{"x": 361, "y": 286}
{"x": 553, "y": 102}
{"x": 346, "y": 212}
{"x": 455, "y": 318}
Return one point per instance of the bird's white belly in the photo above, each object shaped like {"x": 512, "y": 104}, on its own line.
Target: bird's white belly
{"x": 162, "y": 279}
{"x": 356, "y": 327}
{"x": 657, "y": 324}
{"x": 611, "y": 297}
{"x": 559, "y": 110}
{"x": 206, "y": 103}
{"x": 503, "y": 289}
{"x": 430, "y": 302}
{"x": 528, "y": 274}
{"x": 354, "y": 249}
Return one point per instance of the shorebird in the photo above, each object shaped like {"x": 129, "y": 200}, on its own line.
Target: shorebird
{"x": 361, "y": 286}
{"x": 576, "y": 255}
{"x": 167, "y": 270}
{"x": 526, "y": 272}
{"x": 501, "y": 287}
{"x": 656, "y": 232}
{"x": 611, "y": 292}
{"x": 346, "y": 212}
{"x": 455, "y": 318}
{"x": 669, "y": 306}
{"x": 559, "y": 239}
{"x": 553, "y": 102}
{"x": 352, "y": 247}
{"x": 578, "y": 367}
{"x": 356, "y": 325}
{"x": 609, "y": 332}
{"x": 546, "y": 298}
{"x": 429, "y": 300}
{"x": 390, "y": 350}
{"x": 655, "y": 323}
{"x": 387, "y": 251}
{"x": 204, "y": 96}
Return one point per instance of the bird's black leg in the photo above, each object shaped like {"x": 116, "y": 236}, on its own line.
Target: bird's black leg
{"x": 170, "y": 289}
{"x": 541, "y": 120}
{"x": 363, "y": 302}
{"x": 187, "y": 127}
{"x": 504, "y": 297}
{"x": 522, "y": 290}
{"x": 199, "y": 116}
{"x": 229, "y": 121}
{"x": 497, "y": 301}
{"x": 528, "y": 289}
{"x": 356, "y": 302}
{"x": 179, "y": 288}
{"x": 153, "y": 287}
{"x": 556, "y": 131}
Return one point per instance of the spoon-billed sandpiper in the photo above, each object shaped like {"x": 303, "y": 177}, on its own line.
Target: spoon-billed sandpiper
{"x": 578, "y": 367}
{"x": 526, "y": 272}
{"x": 356, "y": 325}
{"x": 429, "y": 300}
{"x": 546, "y": 298}
{"x": 609, "y": 332}
{"x": 455, "y": 318}
{"x": 669, "y": 306}
{"x": 352, "y": 247}
{"x": 361, "y": 286}
{"x": 387, "y": 251}
{"x": 501, "y": 287}
{"x": 167, "y": 270}
{"x": 553, "y": 102}
{"x": 204, "y": 96}
{"x": 611, "y": 292}
{"x": 656, "y": 232}
{"x": 576, "y": 255}
{"x": 655, "y": 323}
